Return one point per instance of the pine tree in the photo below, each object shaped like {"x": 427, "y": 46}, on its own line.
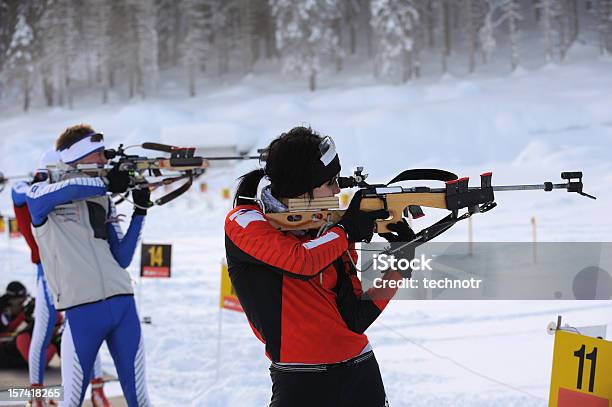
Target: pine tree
{"x": 195, "y": 46}
{"x": 350, "y": 11}
{"x": 604, "y": 26}
{"x": 395, "y": 24}
{"x": 474, "y": 13}
{"x": 147, "y": 74}
{"x": 549, "y": 11}
{"x": 221, "y": 15}
{"x": 168, "y": 27}
{"x": 511, "y": 13}
{"x": 486, "y": 39}
{"x": 59, "y": 43}
{"x": 305, "y": 35}
{"x": 445, "y": 10}
{"x": 20, "y": 56}
{"x": 8, "y": 21}
{"x": 101, "y": 44}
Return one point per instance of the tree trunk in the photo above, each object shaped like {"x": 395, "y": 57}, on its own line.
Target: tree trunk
{"x": 563, "y": 43}
{"x": 406, "y": 66}
{"x": 469, "y": 27}
{"x": 537, "y": 11}
{"x": 575, "y": 20}
{"x": 312, "y": 80}
{"x": 68, "y": 91}
{"x": 546, "y": 26}
{"x": 447, "y": 34}
{"x": 26, "y": 91}
{"x": 513, "y": 29}
{"x": 431, "y": 38}
{"x": 131, "y": 84}
{"x": 47, "y": 85}
{"x": 192, "y": 81}
{"x": 337, "y": 53}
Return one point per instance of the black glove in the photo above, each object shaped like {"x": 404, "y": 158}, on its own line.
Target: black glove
{"x": 358, "y": 224}
{"x": 118, "y": 181}
{"x": 142, "y": 198}
{"x": 403, "y": 232}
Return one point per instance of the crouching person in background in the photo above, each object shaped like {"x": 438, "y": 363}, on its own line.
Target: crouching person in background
{"x": 16, "y": 326}
{"x": 84, "y": 254}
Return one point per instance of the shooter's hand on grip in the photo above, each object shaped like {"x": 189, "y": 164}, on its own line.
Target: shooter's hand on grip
{"x": 142, "y": 200}
{"x": 359, "y": 224}
{"x": 403, "y": 232}
{"x": 117, "y": 181}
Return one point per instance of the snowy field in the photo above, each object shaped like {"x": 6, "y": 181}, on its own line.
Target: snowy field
{"x": 526, "y": 128}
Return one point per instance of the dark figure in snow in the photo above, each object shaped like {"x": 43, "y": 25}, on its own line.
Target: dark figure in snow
{"x": 17, "y": 325}
{"x": 84, "y": 254}
{"x": 301, "y": 293}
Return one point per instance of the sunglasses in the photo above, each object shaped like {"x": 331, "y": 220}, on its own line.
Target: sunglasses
{"x": 97, "y": 137}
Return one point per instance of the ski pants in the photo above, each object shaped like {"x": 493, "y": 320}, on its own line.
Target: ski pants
{"x": 44, "y": 324}
{"x": 354, "y": 383}
{"x": 115, "y": 321}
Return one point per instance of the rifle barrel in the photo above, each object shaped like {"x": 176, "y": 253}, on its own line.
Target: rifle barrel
{"x": 239, "y": 157}
{"x": 525, "y": 187}
{"x": 15, "y": 176}
{"x": 530, "y": 187}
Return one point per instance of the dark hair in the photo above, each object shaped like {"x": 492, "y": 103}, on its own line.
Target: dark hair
{"x": 248, "y": 186}
{"x": 71, "y": 135}
{"x": 293, "y": 165}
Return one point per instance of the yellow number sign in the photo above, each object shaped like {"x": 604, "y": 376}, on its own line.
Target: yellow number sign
{"x": 581, "y": 372}
{"x": 156, "y": 256}
{"x": 228, "y": 298}
{"x": 155, "y": 260}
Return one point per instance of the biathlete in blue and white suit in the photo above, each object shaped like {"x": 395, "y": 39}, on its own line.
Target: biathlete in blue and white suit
{"x": 84, "y": 254}
{"x": 44, "y": 312}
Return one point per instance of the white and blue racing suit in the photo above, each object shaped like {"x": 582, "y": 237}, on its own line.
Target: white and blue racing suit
{"x": 44, "y": 311}
{"x": 84, "y": 254}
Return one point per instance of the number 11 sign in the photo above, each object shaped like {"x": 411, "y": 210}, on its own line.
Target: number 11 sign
{"x": 581, "y": 372}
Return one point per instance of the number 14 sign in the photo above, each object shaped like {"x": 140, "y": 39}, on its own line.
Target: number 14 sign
{"x": 155, "y": 260}
{"x": 581, "y": 372}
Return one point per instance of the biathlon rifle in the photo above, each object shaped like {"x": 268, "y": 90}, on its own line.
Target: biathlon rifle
{"x": 304, "y": 214}
{"x": 181, "y": 165}
{"x": 5, "y": 180}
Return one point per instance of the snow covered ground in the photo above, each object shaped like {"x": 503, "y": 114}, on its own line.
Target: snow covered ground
{"x": 526, "y": 128}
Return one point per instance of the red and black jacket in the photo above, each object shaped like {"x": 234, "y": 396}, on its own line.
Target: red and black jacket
{"x": 301, "y": 295}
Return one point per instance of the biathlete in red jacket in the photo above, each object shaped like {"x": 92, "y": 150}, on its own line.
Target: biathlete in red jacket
{"x": 300, "y": 292}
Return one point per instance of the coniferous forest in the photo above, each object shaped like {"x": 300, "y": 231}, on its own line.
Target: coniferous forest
{"x": 54, "y": 51}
